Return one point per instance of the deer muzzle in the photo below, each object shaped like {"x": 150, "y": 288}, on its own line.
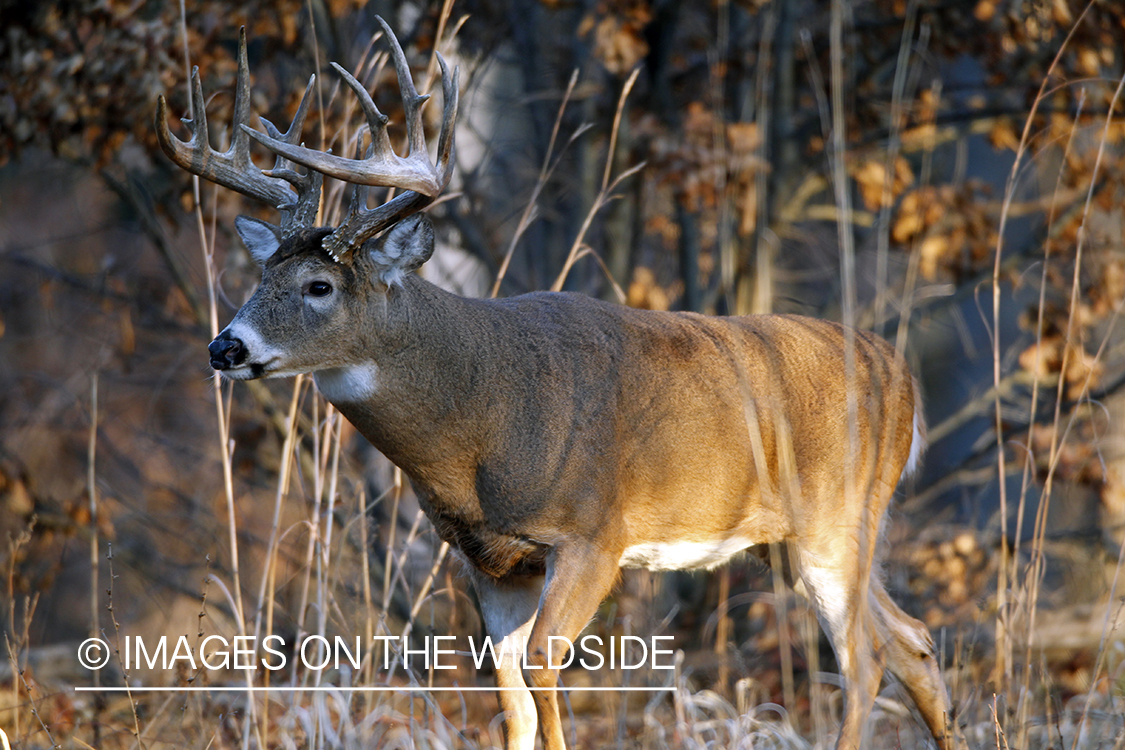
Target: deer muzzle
{"x": 226, "y": 351}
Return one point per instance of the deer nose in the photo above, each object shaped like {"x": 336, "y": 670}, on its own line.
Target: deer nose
{"x": 226, "y": 351}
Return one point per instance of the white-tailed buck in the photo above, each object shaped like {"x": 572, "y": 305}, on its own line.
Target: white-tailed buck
{"x": 553, "y": 438}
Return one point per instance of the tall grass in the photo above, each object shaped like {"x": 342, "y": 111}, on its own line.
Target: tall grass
{"x": 340, "y": 587}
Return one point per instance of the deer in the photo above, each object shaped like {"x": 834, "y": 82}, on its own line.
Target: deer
{"x": 554, "y": 439}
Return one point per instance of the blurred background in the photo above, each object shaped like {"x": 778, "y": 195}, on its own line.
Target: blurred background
{"x": 947, "y": 173}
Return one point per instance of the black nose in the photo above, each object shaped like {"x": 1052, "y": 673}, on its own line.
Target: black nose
{"x": 226, "y": 351}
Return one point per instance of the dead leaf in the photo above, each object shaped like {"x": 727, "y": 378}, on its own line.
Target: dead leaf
{"x": 932, "y": 252}
{"x": 1003, "y": 135}
{"x": 874, "y": 186}
{"x": 1042, "y": 358}
{"x": 985, "y": 10}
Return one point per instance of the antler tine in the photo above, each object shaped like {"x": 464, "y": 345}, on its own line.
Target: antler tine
{"x": 382, "y": 166}
{"x": 450, "y": 88}
{"x": 413, "y": 173}
{"x": 357, "y": 203}
{"x": 376, "y": 120}
{"x": 411, "y": 101}
{"x": 303, "y": 211}
{"x": 187, "y": 155}
{"x": 363, "y": 223}
{"x": 293, "y": 135}
{"x": 233, "y": 168}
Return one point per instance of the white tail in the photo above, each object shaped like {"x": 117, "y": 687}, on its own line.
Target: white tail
{"x": 554, "y": 438}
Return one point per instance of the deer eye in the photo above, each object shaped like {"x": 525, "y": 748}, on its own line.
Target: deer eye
{"x": 320, "y": 289}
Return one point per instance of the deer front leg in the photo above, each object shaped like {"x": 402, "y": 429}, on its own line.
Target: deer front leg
{"x": 508, "y": 606}
{"x": 579, "y": 576}
{"x": 910, "y": 656}
{"x": 832, "y": 581}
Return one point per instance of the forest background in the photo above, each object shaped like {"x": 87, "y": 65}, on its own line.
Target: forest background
{"x": 948, "y": 173}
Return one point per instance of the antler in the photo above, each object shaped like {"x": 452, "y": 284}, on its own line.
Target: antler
{"x": 381, "y": 166}
{"x": 233, "y": 168}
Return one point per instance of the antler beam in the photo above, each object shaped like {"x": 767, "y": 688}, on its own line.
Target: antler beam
{"x": 233, "y": 168}
{"x": 382, "y": 166}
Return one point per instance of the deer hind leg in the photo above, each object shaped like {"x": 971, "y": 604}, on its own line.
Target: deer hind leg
{"x": 909, "y": 652}
{"x": 579, "y": 576}
{"x": 508, "y": 606}
{"x": 831, "y": 580}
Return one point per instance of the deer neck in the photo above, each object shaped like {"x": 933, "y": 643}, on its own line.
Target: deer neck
{"x": 417, "y": 385}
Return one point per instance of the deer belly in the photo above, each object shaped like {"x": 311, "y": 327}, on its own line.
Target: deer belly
{"x": 493, "y": 553}
{"x": 683, "y": 555}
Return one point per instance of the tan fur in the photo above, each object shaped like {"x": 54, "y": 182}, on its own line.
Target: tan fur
{"x": 552, "y": 437}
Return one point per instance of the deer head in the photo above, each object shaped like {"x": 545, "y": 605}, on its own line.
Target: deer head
{"x": 317, "y": 281}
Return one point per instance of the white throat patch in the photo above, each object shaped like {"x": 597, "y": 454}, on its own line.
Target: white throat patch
{"x": 348, "y": 384}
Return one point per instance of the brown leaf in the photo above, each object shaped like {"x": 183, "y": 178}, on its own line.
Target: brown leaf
{"x": 1043, "y": 357}
{"x": 1061, "y": 12}
{"x": 1083, "y": 372}
{"x": 874, "y": 186}
{"x": 1003, "y": 135}
{"x": 1089, "y": 62}
{"x": 985, "y": 10}
{"x": 743, "y": 138}
{"x": 911, "y": 219}
{"x": 932, "y": 252}
{"x": 619, "y": 45}
{"x": 645, "y": 293}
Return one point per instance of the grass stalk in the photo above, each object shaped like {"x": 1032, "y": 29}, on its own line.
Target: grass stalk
{"x": 1003, "y": 673}
{"x": 266, "y": 590}
{"x": 578, "y": 248}
{"x": 207, "y": 249}
{"x": 894, "y": 148}
{"x": 1023, "y": 709}
{"x": 545, "y": 171}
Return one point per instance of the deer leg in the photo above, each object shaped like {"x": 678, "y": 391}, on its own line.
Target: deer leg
{"x": 832, "y": 582}
{"x": 508, "y": 606}
{"x": 579, "y": 576}
{"x": 909, "y": 652}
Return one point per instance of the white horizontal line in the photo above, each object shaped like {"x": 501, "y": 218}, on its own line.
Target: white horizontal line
{"x": 380, "y": 689}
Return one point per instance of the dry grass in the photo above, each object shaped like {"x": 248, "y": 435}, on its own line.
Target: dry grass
{"x": 334, "y": 576}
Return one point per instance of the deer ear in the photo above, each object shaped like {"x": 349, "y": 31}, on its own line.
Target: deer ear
{"x": 407, "y": 245}
{"x": 260, "y": 237}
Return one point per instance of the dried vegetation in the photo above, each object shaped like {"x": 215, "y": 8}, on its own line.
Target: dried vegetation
{"x": 984, "y": 165}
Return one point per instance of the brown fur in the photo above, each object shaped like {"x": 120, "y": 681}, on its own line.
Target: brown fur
{"x": 550, "y": 435}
